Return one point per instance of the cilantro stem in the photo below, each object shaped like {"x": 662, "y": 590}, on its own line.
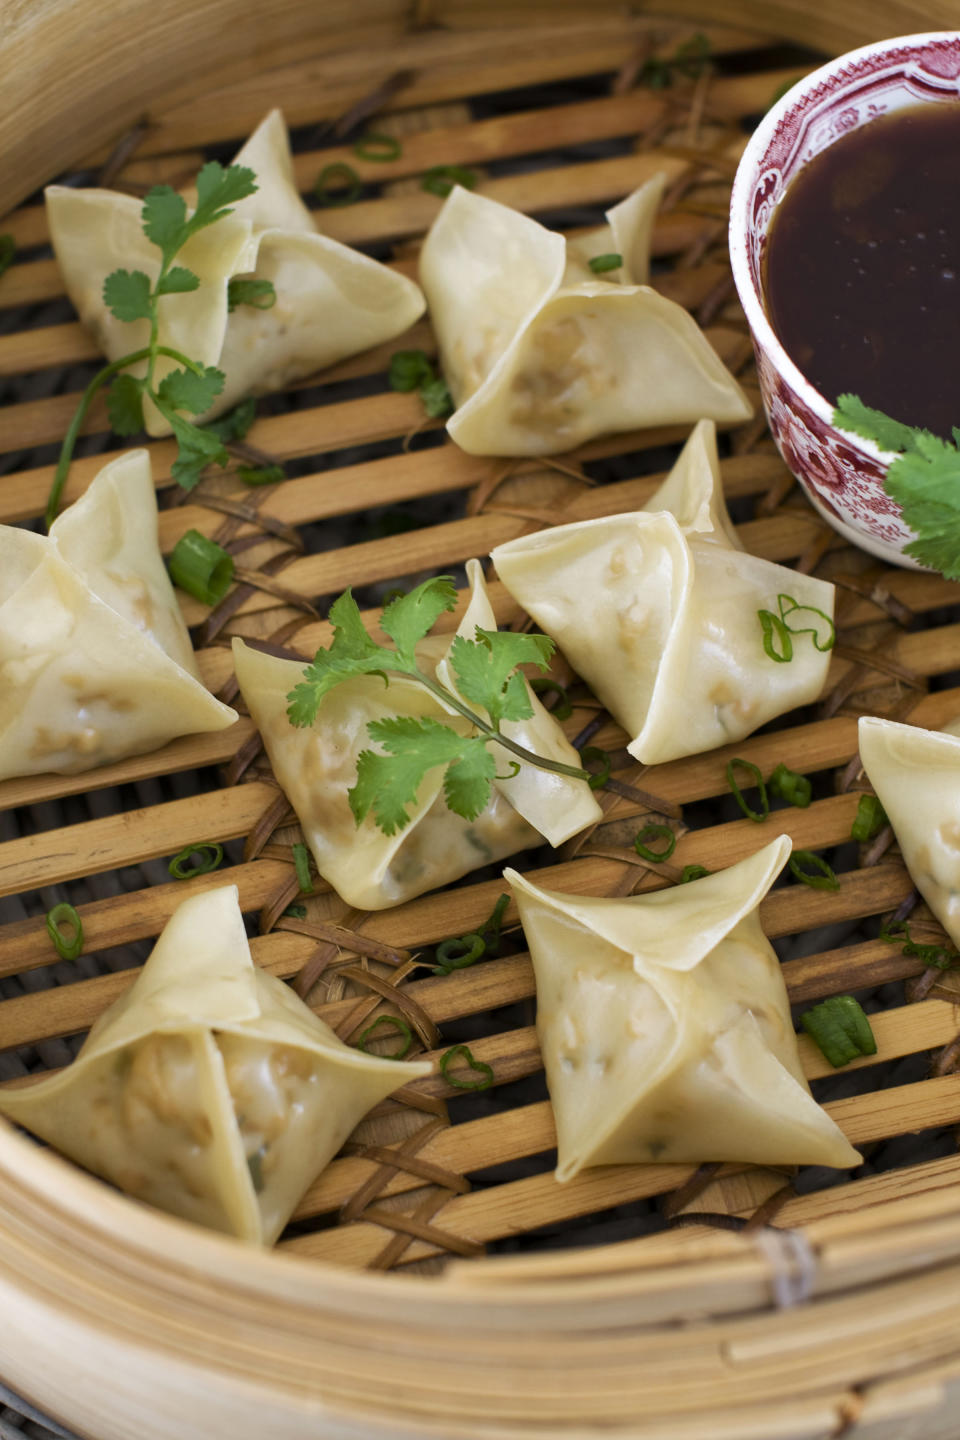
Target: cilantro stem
{"x": 86, "y": 400}
{"x": 530, "y": 756}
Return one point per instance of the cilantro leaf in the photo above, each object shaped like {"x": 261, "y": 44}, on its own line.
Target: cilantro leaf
{"x": 351, "y": 653}
{"x": 164, "y": 219}
{"x": 388, "y": 784}
{"x": 125, "y": 405}
{"x": 218, "y": 188}
{"x": 197, "y": 448}
{"x": 924, "y": 480}
{"x": 408, "y": 618}
{"x": 258, "y": 293}
{"x": 126, "y": 294}
{"x": 186, "y": 390}
{"x": 486, "y": 670}
{"x": 178, "y": 281}
{"x": 468, "y": 781}
{"x": 851, "y": 414}
{"x": 235, "y": 424}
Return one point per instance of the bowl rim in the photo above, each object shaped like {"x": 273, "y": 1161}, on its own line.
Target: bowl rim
{"x": 762, "y": 332}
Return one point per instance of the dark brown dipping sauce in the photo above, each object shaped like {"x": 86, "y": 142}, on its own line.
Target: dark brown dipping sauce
{"x": 863, "y": 267}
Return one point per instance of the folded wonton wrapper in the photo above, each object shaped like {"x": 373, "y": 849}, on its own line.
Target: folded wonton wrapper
{"x": 209, "y": 1089}
{"x": 317, "y": 765}
{"x": 665, "y": 1027}
{"x": 95, "y": 660}
{"x": 332, "y": 301}
{"x": 541, "y": 354}
{"x": 658, "y": 611}
{"x": 916, "y": 774}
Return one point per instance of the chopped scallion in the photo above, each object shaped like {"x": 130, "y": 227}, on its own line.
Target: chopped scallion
{"x": 869, "y": 820}
{"x": 773, "y": 628}
{"x": 655, "y": 831}
{"x": 296, "y": 912}
{"x": 207, "y": 855}
{"x": 376, "y": 146}
{"x": 789, "y": 606}
{"x": 819, "y": 876}
{"x": 600, "y": 264}
{"x": 258, "y": 293}
{"x": 480, "y": 1066}
{"x": 301, "y": 863}
{"x": 201, "y": 567}
{"x": 795, "y": 789}
{"x": 840, "y": 1028}
{"x": 598, "y": 778}
{"x": 458, "y": 954}
{"x": 67, "y": 946}
{"x": 756, "y": 779}
{"x": 543, "y": 685}
{"x": 693, "y": 872}
{"x": 409, "y": 369}
{"x": 440, "y": 179}
{"x": 401, "y": 1027}
{"x": 261, "y": 474}
{"x": 490, "y": 929}
{"x": 939, "y": 957}
{"x": 337, "y": 184}
{"x": 436, "y": 397}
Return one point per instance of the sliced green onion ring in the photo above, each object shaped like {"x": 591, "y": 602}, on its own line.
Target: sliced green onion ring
{"x": 207, "y": 853}
{"x": 794, "y": 788}
{"x": 459, "y": 953}
{"x": 756, "y": 779}
{"x": 600, "y": 264}
{"x": 337, "y": 184}
{"x": 67, "y": 947}
{"x": 840, "y": 1028}
{"x": 259, "y": 294}
{"x": 819, "y": 877}
{"x": 543, "y": 685}
{"x": 301, "y": 863}
{"x": 774, "y": 628}
{"x": 201, "y": 567}
{"x": 490, "y": 929}
{"x": 401, "y": 1027}
{"x": 376, "y": 146}
{"x": 869, "y": 819}
{"x": 481, "y": 1067}
{"x": 693, "y": 872}
{"x": 939, "y": 957}
{"x": 409, "y": 369}
{"x": 261, "y": 474}
{"x": 436, "y": 398}
{"x": 440, "y": 179}
{"x": 599, "y": 777}
{"x": 655, "y": 832}
{"x": 788, "y": 606}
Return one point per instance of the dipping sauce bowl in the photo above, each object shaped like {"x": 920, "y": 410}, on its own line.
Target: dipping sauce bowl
{"x": 842, "y": 474}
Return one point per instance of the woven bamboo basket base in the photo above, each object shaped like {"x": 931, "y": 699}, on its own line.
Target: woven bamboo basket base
{"x": 435, "y": 1180}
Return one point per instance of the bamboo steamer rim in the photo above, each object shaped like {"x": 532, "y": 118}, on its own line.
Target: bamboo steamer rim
{"x": 48, "y": 1209}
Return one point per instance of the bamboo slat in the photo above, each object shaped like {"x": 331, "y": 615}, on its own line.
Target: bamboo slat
{"x": 672, "y": 1335}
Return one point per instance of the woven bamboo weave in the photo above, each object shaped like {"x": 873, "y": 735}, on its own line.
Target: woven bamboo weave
{"x": 435, "y": 1280}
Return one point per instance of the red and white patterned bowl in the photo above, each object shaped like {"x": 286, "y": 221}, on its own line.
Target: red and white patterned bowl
{"x": 842, "y": 474}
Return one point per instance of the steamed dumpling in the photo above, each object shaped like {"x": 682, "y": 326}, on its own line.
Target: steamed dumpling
{"x": 541, "y": 354}
{"x": 95, "y": 660}
{"x": 317, "y": 766}
{"x": 209, "y": 1089}
{"x": 916, "y": 774}
{"x": 331, "y": 302}
{"x": 658, "y": 611}
{"x": 665, "y": 1027}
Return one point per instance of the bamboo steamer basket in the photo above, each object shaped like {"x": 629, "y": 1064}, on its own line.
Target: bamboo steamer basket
{"x": 837, "y": 1317}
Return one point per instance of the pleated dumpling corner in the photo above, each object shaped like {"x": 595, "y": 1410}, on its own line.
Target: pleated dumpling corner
{"x": 95, "y": 661}
{"x": 331, "y": 301}
{"x": 671, "y": 638}
{"x": 542, "y": 354}
{"x": 316, "y": 767}
{"x": 208, "y": 1089}
{"x": 665, "y": 1028}
{"x": 916, "y": 774}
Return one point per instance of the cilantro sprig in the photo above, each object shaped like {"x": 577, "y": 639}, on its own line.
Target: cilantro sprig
{"x": 924, "y": 480}
{"x": 485, "y": 674}
{"x": 130, "y": 296}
